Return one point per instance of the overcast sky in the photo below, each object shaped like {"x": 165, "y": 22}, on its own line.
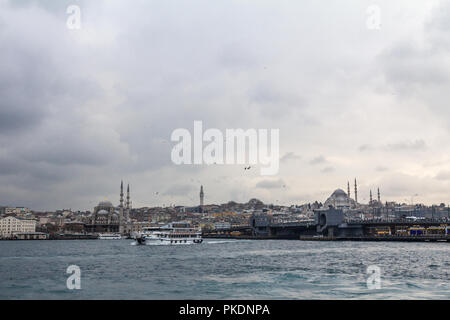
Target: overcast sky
{"x": 82, "y": 109}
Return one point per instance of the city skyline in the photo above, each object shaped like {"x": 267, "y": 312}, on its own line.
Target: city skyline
{"x": 82, "y": 109}
{"x": 352, "y": 195}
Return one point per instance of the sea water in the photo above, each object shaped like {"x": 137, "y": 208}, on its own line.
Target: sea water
{"x": 224, "y": 269}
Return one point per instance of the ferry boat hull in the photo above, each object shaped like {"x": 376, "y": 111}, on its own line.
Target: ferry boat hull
{"x": 155, "y": 241}
{"x": 109, "y": 237}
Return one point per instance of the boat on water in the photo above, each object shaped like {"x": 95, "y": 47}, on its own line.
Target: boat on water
{"x": 172, "y": 233}
{"x": 109, "y": 236}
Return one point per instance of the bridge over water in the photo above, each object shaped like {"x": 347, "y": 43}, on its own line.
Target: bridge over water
{"x": 330, "y": 224}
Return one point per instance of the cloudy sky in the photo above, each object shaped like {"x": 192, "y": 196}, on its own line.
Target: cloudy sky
{"x": 81, "y": 109}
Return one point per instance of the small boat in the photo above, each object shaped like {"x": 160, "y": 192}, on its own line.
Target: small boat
{"x": 109, "y": 236}
{"x": 172, "y": 233}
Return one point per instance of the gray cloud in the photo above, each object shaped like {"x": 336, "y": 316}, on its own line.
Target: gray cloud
{"x": 328, "y": 170}
{"x": 290, "y": 156}
{"x": 80, "y": 110}
{"x": 416, "y": 145}
{"x": 317, "y": 160}
{"x": 443, "y": 175}
{"x": 178, "y": 190}
{"x": 271, "y": 184}
{"x": 364, "y": 147}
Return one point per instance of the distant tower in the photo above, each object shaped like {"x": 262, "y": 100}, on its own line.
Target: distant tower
{"x": 348, "y": 189}
{"x": 370, "y": 201}
{"x": 379, "y": 198}
{"x": 121, "y": 209}
{"x": 356, "y": 192}
{"x": 202, "y": 195}
{"x": 128, "y": 203}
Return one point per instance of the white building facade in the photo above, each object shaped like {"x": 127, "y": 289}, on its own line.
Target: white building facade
{"x": 11, "y": 225}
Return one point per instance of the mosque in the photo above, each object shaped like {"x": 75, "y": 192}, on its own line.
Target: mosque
{"x": 108, "y": 219}
{"x": 339, "y": 199}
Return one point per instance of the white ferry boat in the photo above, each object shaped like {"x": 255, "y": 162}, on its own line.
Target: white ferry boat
{"x": 109, "y": 236}
{"x": 172, "y": 233}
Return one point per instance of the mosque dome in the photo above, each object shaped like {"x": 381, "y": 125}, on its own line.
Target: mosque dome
{"x": 105, "y": 203}
{"x": 339, "y": 193}
{"x": 339, "y": 200}
{"x": 103, "y": 212}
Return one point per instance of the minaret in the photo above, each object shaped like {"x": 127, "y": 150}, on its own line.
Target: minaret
{"x": 356, "y": 192}
{"x": 379, "y": 198}
{"x": 370, "y": 201}
{"x": 121, "y": 209}
{"x": 128, "y": 203}
{"x": 202, "y": 195}
{"x": 348, "y": 194}
{"x": 348, "y": 189}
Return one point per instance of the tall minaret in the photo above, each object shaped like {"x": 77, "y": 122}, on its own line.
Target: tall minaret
{"x": 356, "y": 192}
{"x": 202, "y": 195}
{"x": 379, "y": 198}
{"x": 348, "y": 189}
{"x": 128, "y": 203}
{"x": 121, "y": 209}
{"x": 370, "y": 201}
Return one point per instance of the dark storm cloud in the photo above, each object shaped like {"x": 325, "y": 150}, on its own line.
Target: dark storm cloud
{"x": 43, "y": 90}
{"x": 32, "y": 84}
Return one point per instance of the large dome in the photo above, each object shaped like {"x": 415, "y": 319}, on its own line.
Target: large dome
{"x": 339, "y": 199}
{"x": 338, "y": 193}
{"x": 105, "y": 203}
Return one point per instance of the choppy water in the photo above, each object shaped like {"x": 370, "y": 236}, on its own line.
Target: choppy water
{"x": 241, "y": 269}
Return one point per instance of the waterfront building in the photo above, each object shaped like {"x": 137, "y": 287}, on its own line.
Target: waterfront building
{"x": 20, "y": 212}
{"x": 74, "y": 227}
{"x": 9, "y": 226}
{"x": 222, "y": 225}
{"x": 44, "y": 220}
